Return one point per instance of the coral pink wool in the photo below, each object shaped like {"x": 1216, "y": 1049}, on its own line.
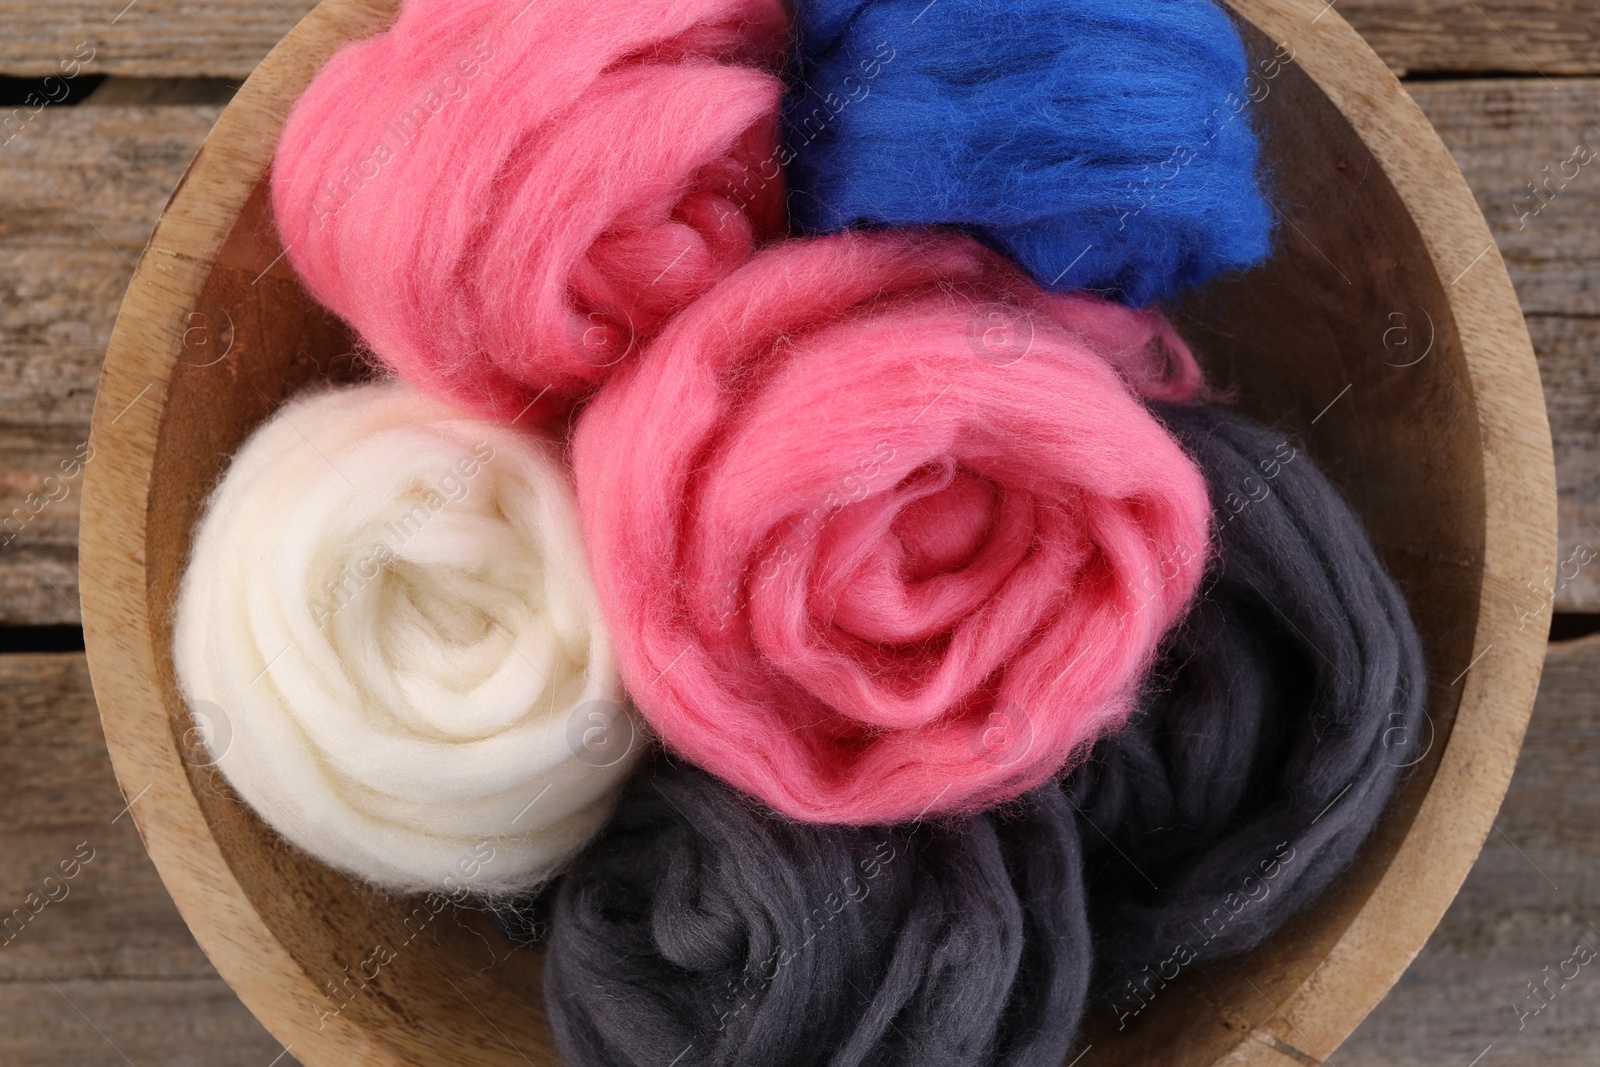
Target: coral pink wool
{"x": 882, "y": 530}
{"x": 503, "y": 197}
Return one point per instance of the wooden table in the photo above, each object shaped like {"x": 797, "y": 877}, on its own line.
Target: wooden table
{"x": 97, "y": 968}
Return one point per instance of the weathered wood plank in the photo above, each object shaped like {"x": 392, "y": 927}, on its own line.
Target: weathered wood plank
{"x": 97, "y": 906}
{"x": 145, "y": 38}
{"x": 1529, "y": 902}
{"x": 62, "y": 274}
{"x": 80, "y": 190}
{"x": 94, "y": 918}
{"x": 184, "y": 1022}
{"x": 1521, "y": 143}
{"x": 1508, "y": 134}
{"x": 227, "y": 38}
{"x": 1520, "y": 36}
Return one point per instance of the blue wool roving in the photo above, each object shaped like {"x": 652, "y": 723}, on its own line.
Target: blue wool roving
{"x": 1104, "y": 145}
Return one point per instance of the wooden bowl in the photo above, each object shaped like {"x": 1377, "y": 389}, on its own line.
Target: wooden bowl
{"x": 1384, "y": 333}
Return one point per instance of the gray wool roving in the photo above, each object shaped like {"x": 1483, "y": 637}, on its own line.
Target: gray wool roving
{"x": 700, "y": 929}
{"x": 1283, "y": 712}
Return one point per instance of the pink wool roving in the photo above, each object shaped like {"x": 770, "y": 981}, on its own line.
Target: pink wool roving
{"x": 503, "y": 198}
{"x": 883, "y": 530}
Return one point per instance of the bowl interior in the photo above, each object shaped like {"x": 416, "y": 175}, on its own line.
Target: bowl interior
{"x": 1345, "y": 340}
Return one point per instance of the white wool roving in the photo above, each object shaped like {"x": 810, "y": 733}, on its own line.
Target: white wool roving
{"x": 391, "y": 605}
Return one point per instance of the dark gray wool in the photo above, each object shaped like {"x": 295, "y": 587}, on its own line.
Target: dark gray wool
{"x": 1283, "y": 712}
{"x": 701, "y": 929}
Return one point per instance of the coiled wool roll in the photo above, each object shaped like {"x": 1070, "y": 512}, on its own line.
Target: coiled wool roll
{"x": 699, "y": 930}
{"x": 1104, "y": 145}
{"x": 1279, "y": 720}
{"x": 880, "y": 530}
{"x": 503, "y": 196}
{"x": 388, "y": 619}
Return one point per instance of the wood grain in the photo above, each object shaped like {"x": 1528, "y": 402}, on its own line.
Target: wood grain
{"x": 145, "y": 38}
{"x": 80, "y": 189}
{"x": 182, "y": 1022}
{"x": 1529, "y": 901}
{"x": 227, "y": 38}
{"x": 1506, "y": 135}
{"x": 1464, "y": 36}
{"x": 110, "y": 944}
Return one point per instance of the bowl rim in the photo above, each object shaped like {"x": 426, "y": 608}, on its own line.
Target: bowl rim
{"x": 1435, "y": 852}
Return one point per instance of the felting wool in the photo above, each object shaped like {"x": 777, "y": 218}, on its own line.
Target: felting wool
{"x": 503, "y": 197}
{"x": 1103, "y": 144}
{"x": 700, "y": 930}
{"x": 881, "y": 532}
{"x": 1275, "y": 729}
{"x": 389, "y": 620}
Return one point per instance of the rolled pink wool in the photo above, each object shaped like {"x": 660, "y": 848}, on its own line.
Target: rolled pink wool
{"x": 502, "y": 198}
{"x": 883, "y": 530}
